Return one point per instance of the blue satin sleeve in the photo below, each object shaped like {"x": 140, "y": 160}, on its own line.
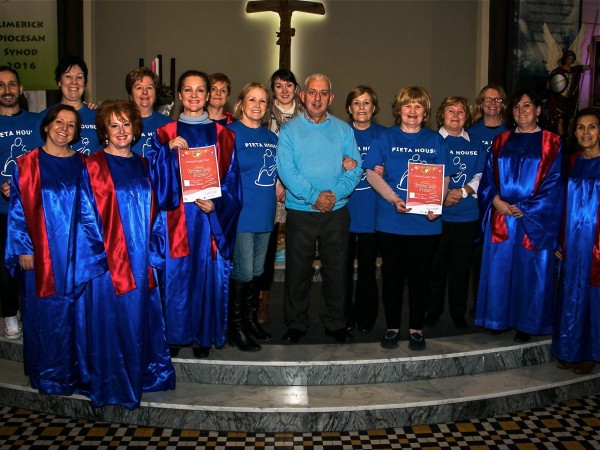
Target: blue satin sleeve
{"x": 542, "y": 212}
{"x": 487, "y": 190}
{"x": 18, "y": 241}
{"x": 86, "y": 242}
{"x": 158, "y": 242}
{"x": 164, "y": 174}
{"x": 224, "y": 219}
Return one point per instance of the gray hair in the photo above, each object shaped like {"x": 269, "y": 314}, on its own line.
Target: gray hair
{"x": 318, "y": 76}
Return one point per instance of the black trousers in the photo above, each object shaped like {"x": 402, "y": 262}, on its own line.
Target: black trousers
{"x": 265, "y": 280}
{"x": 9, "y": 286}
{"x": 406, "y": 258}
{"x": 362, "y": 306}
{"x": 452, "y": 267}
{"x": 303, "y": 230}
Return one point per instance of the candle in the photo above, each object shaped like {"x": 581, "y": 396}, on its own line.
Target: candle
{"x": 159, "y": 68}
{"x": 173, "y": 77}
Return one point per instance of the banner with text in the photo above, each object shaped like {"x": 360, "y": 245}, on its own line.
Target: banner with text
{"x": 28, "y": 39}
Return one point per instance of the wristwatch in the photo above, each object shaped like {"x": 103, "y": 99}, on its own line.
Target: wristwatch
{"x": 464, "y": 193}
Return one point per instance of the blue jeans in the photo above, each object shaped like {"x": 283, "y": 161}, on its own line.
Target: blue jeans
{"x": 249, "y": 255}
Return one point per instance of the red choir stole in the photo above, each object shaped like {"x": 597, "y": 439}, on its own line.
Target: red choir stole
{"x": 30, "y": 184}
{"x": 115, "y": 242}
{"x": 550, "y": 146}
{"x": 176, "y": 225}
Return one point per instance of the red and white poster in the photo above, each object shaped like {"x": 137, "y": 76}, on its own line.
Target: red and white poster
{"x": 199, "y": 173}
{"x": 425, "y": 189}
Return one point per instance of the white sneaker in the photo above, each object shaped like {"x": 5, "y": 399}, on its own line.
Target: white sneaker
{"x": 12, "y": 330}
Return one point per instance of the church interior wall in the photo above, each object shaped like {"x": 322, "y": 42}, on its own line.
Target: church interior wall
{"x": 385, "y": 44}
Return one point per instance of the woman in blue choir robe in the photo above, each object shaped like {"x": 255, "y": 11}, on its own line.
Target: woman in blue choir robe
{"x": 200, "y": 235}
{"x": 521, "y": 201}
{"x": 42, "y": 193}
{"x": 121, "y": 333}
{"x": 576, "y": 341}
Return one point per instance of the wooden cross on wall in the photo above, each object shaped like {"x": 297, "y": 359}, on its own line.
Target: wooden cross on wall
{"x": 285, "y": 9}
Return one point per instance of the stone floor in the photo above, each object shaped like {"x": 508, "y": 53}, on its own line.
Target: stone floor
{"x": 572, "y": 425}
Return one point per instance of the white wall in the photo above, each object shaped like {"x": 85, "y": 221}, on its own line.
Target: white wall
{"x": 385, "y": 44}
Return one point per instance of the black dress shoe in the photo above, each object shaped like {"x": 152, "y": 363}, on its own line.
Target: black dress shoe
{"x": 460, "y": 322}
{"x": 292, "y": 336}
{"x": 201, "y": 352}
{"x": 341, "y": 336}
{"x": 431, "y": 320}
{"x": 522, "y": 337}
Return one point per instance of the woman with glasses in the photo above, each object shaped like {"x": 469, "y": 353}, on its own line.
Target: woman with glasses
{"x": 488, "y": 121}
{"x": 488, "y": 114}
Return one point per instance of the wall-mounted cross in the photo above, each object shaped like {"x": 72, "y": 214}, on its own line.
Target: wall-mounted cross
{"x": 285, "y": 8}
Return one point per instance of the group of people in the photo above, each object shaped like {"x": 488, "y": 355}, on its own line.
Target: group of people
{"x": 119, "y": 272}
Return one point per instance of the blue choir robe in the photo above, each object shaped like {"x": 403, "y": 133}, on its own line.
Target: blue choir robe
{"x": 198, "y": 261}
{"x": 577, "y": 334}
{"x": 516, "y": 288}
{"x": 121, "y": 334}
{"x": 42, "y": 195}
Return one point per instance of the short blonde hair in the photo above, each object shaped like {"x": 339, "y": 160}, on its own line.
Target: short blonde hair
{"x": 237, "y": 111}
{"x": 412, "y": 94}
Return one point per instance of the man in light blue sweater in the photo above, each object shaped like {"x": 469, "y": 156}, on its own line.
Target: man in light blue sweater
{"x": 310, "y": 152}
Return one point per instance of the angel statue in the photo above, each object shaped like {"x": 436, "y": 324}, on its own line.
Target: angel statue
{"x": 563, "y": 83}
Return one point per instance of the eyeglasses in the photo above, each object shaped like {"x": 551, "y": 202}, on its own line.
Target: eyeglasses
{"x": 492, "y": 99}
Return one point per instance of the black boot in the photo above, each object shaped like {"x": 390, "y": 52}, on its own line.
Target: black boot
{"x": 237, "y": 335}
{"x": 250, "y": 321}
{"x": 201, "y": 352}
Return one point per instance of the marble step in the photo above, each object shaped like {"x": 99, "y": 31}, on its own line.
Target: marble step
{"x": 230, "y": 407}
{"x": 365, "y": 363}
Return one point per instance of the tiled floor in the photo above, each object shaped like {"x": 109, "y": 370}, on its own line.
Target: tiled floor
{"x": 571, "y": 425}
